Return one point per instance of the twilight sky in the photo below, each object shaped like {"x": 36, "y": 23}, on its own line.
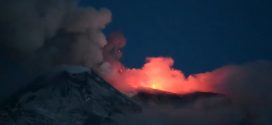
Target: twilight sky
{"x": 199, "y": 35}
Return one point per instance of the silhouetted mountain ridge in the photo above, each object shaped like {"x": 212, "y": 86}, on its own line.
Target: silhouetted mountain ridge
{"x": 66, "y": 98}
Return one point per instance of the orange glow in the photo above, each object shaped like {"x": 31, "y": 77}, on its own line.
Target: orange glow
{"x": 158, "y": 73}
{"x": 156, "y": 86}
{"x": 153, "y": 86}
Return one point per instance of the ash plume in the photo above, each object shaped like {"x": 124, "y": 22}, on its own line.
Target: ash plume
{"x": 39, "y": 35}
{"x": 57, "y": 31}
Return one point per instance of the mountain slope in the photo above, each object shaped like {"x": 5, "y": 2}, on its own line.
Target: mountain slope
{"x": 66, "y": 98}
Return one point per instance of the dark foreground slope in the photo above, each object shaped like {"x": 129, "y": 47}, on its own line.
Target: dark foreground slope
{"x": 66, "y": 98}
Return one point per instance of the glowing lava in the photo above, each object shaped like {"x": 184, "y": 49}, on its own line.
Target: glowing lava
{"x": 154, "y": 86}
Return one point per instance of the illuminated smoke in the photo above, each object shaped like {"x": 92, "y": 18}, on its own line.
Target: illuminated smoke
{"x": 158, "y": 73}
{"x": 248, "y": 86}
{"x": 43, "y": 34}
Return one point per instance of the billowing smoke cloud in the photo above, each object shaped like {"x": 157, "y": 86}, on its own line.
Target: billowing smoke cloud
{"x": 52, "y": 32}
{"x": 250, "y": 86}
{"x": 112, "y": 54}
{"x": 39, "y": 35}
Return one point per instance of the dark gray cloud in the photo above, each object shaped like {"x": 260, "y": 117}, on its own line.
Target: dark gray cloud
{"x": 55, "y": 28}
{"x": 37, "y": 35}
{"x": 249, "y": 86}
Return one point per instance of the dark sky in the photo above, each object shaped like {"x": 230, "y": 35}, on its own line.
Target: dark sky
{"x": 200, "y": 35}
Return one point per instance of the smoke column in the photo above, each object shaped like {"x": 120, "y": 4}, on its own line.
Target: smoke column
{"x": 40, "y": 35}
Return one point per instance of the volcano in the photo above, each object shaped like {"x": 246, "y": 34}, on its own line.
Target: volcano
{"x": 81, "y": 97}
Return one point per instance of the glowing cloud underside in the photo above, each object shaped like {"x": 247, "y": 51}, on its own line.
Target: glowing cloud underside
{"x": 158, "y": 73}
